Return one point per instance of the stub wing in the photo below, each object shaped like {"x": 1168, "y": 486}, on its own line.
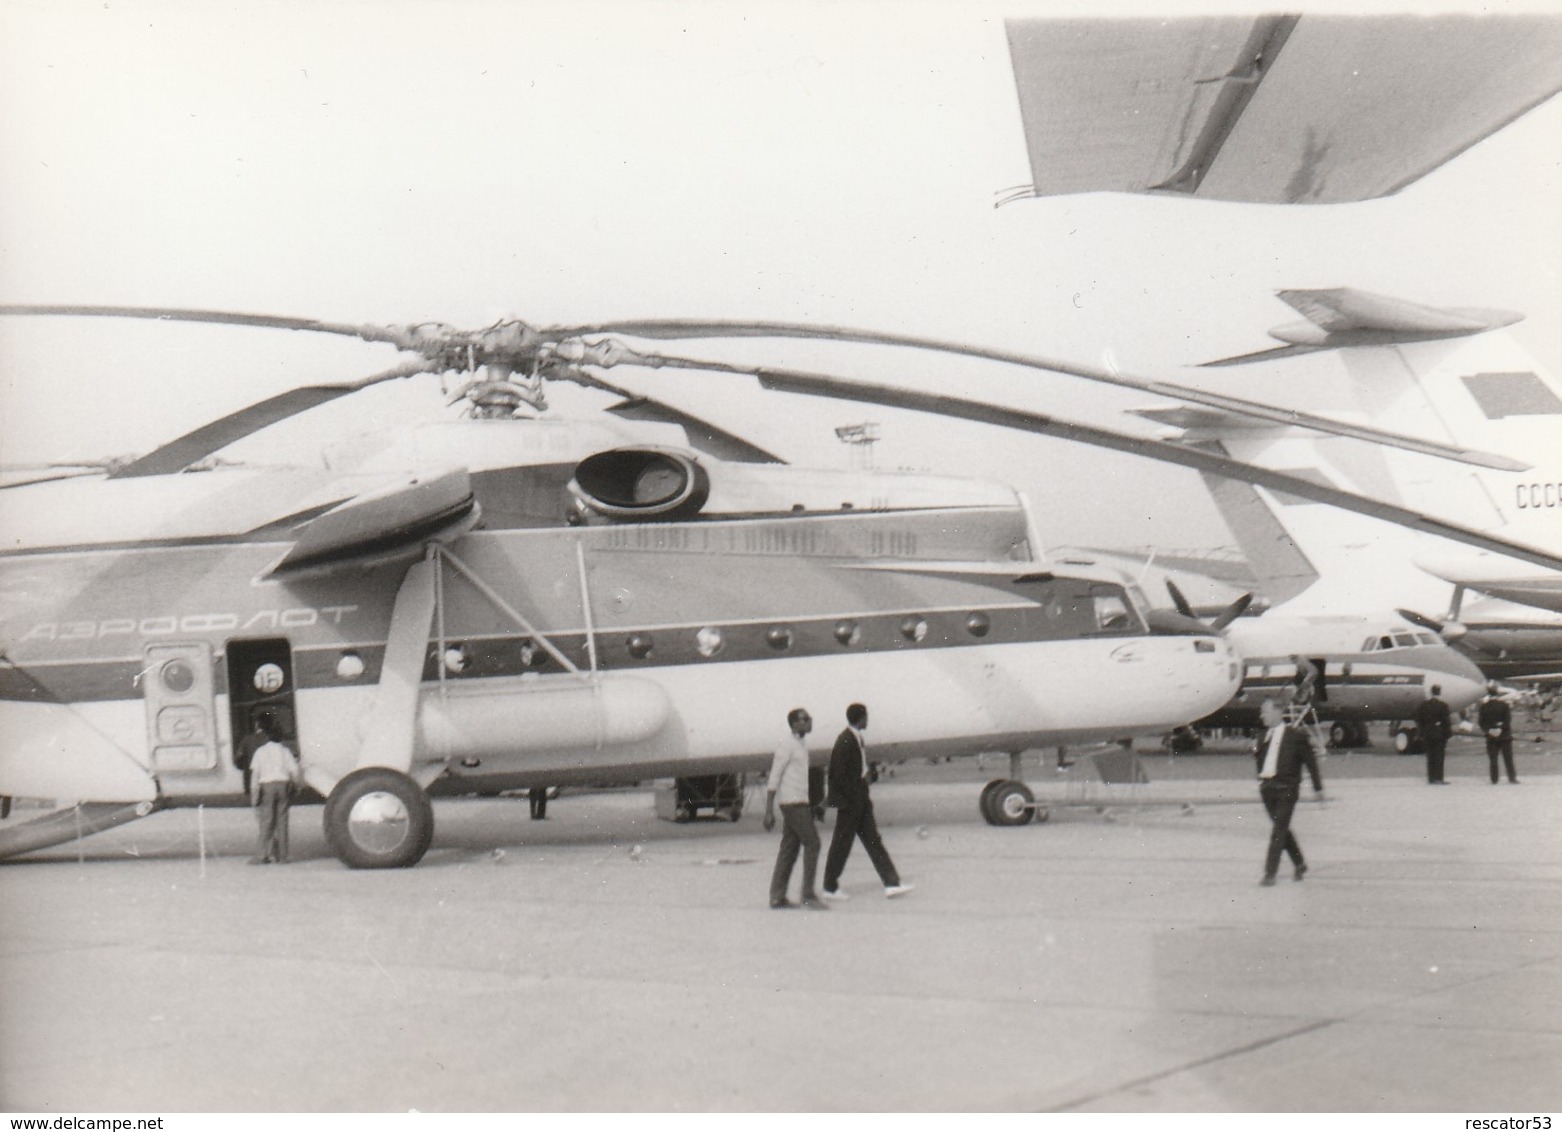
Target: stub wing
{"x": 1313, "y": 109}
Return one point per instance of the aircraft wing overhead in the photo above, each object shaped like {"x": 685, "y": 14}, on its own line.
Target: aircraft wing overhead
{"x": 1271, "y": 109}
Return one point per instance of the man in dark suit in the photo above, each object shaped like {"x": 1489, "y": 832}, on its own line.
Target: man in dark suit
{"x": 1281, "y": 754}
{"x": 848, "y": 794}
{"x": 1496, "y": 721}
{"x": 1435, "y": 728}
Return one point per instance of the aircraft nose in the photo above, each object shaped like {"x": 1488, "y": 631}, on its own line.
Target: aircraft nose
{"x": 1463, "y": 682}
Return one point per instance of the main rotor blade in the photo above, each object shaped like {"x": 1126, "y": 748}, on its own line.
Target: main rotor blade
{"x": 702, "y": 434}
{"x": 368, "y": 333}
{"x": 685, "y": 329}
{"x": 51, "y": 477}
{"x": 213, "y": 436}
{"x": 820, "y": 385}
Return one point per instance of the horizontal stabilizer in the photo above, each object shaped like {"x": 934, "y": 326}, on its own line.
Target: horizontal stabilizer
{"x": 1339, "y": 317}
{"x": 1346, "y": 308}
{"x": 1261, "y": 356}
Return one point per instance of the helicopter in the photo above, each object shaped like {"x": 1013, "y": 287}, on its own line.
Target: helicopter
{"x": 522, "y": 599}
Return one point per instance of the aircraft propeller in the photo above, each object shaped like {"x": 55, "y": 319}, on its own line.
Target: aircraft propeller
{"x": 1450, "y": 628}
{"x": 1225, "y": 617}
{"x": 514, "y": 347}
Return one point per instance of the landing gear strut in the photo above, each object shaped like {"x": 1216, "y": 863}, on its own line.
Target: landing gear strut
{"x": 378, "y": 818}
{"x": 1008, "y": 801}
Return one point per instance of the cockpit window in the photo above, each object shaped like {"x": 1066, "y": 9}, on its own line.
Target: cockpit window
{"x": 1426, "y": 638}
{"x": 1111, "y": 613}
{"x": 1405, "y": 640}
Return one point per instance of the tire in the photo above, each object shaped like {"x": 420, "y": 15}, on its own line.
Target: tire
{"x": 1011, "y": 804}
{"x": 984, "y": 800}
{"x": 378, "y": 818}
{"x": 1340, "y": 734}
{"x": 1407, "y": 742}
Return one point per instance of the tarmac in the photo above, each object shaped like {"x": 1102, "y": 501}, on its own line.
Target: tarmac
{"x": 1119, "y": 957}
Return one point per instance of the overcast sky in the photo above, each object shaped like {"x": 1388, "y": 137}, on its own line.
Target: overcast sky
{"x": 464, "y": 161}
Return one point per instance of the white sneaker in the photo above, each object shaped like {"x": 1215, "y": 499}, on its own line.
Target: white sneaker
{"x": 835, "y": 895}
{"x": 893, "y": 890}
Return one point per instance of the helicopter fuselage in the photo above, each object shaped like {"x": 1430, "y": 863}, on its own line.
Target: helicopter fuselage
{"x": 577, "y": 654}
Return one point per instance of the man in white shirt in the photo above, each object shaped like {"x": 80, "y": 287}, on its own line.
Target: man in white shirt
{"x": 788, "y": 783}
{"x": 273, "y": 774}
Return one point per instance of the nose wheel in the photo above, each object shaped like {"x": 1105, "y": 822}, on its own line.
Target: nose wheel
{"x": 1008, "y": 801}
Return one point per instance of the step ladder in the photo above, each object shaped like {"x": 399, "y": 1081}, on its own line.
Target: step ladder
{"x": 1303, "y": 716}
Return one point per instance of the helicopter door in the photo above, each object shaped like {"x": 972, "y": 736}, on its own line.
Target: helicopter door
{"x": 177, "y": 681}
{"x": 260, "y": 687}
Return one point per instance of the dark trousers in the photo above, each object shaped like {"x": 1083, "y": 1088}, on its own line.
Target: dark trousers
{"x": 854, "y": 820}
{"x": 1280, "y": 801}
{"x": 538, "y": 797}
{"x": 797, "y": 832}
{"x": 272, "y": 815}
{"x": 1503, "y": 747}
{"x": 1435, "y": 749}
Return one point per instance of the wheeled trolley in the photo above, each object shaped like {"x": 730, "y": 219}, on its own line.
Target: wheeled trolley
{"x": 684, "y": 799}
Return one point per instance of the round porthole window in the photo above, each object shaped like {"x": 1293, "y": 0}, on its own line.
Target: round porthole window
{"x": 639, "y": 646}
{"x": 848, "y": 632}
{"x": 178, "y": 676}
{"x": 913, "y": 628}
{"x": 978, "y": 624}
{"x": 269, "y": 678}
{"x": 709, "y": 641}
{"x": 779, "y": 638}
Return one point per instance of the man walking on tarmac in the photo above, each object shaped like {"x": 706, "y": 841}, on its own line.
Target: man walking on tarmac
{"x": 854, "y": 816}
{"x": 788, "y": 782}
{"x": 1282, "y": 753}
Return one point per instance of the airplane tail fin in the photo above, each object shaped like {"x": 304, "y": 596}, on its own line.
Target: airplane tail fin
{"x": 1450, "y": 375}
{"x": 1282, "y": 568}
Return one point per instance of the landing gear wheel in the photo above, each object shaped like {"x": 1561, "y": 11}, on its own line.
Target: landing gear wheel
{"x": 1012, "y": 804}
{"x": 984, "y": 801}
{"x": 378, "y": 818}
{"x": 1340, "y": 734}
